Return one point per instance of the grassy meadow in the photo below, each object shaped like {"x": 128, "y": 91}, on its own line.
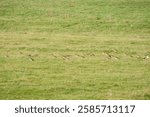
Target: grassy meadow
{"x": 75, "y": 49}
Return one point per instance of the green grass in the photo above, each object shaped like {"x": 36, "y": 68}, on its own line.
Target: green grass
{"x": 74, "y": 49}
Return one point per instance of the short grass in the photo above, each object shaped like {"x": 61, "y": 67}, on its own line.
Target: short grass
{"x": 74, "y": 49}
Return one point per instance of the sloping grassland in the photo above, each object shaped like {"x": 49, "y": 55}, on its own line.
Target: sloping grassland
{"x": 74, "y": 49}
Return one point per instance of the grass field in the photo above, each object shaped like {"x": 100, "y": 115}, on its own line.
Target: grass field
{"x": 75, "y": 49}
